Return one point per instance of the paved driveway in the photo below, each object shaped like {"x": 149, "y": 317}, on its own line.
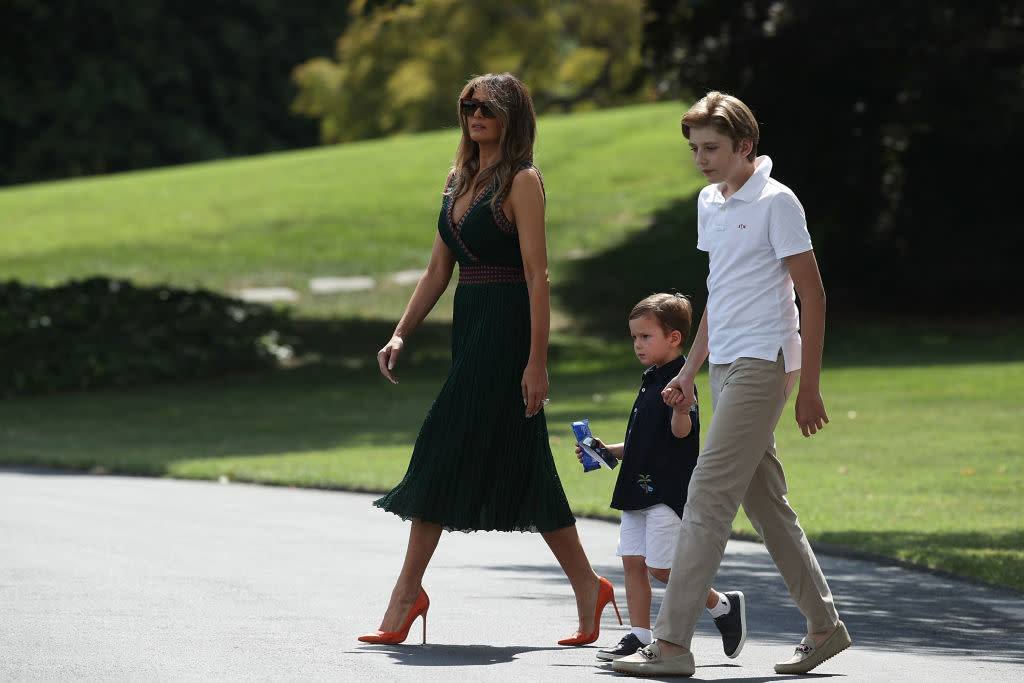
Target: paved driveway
{"x": 121, "y": 578}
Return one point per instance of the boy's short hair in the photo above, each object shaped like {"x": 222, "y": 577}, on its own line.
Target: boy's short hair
{"x": 672, "y": 311}
{"x": 727, "y": 115}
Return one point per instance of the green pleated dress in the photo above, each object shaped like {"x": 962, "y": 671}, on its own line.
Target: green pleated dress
{"x": 479, "y": 464}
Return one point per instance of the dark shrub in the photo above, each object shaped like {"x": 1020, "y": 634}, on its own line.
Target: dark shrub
{"x": 102, "y": 332}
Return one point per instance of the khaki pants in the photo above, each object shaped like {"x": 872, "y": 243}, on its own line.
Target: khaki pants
{"x": 738, "y": 465}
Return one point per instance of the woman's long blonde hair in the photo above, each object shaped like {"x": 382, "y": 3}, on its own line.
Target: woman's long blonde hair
{"x": 511, "y": 101}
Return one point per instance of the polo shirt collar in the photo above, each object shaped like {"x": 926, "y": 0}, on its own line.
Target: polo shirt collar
{"x": 751, "y": 189}
{"x": 666, "y": 372}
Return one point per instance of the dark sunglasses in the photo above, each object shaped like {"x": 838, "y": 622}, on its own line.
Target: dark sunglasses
{"x": 469, "y": 107}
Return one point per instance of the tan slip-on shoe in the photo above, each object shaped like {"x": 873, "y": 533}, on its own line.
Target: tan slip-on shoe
{"x": 647, "y": 661}
{"x": 807, "y": 656}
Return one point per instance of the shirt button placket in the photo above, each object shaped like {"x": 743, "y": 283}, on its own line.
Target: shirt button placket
{"x": 720, "y": 222}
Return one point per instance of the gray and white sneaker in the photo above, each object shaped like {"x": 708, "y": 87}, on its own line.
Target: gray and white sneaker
{"x": 733, "y": 625}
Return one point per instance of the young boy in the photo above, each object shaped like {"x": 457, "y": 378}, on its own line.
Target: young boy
{"x": 658, "y": 455}
{"x": 761, "y": 259}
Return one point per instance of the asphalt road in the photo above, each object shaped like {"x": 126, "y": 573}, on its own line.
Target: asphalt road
{"x": 107, "y": 578}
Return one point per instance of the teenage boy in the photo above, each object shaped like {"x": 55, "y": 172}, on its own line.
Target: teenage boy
{"x": 759, "y": 250}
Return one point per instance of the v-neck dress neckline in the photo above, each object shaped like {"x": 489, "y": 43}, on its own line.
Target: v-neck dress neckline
{"x": 457, "y": 227}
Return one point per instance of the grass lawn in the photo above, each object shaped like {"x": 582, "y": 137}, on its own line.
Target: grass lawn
{"x": 923, "y": 459}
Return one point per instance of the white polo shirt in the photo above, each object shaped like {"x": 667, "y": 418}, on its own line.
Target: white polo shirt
{"x": 751, "y": 307}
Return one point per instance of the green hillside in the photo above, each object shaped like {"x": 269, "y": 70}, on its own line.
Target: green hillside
{"x": 361, "y": 209}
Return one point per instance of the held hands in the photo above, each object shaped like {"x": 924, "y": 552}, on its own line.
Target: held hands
{"x": 810, "y": 412}
{"x": 535, "y": 388}
{"x": 679, "y": 393}
{"x": 388, "y": 357}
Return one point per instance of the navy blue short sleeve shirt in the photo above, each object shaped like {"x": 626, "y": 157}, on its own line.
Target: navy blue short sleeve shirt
{"x": 656, "y": 465}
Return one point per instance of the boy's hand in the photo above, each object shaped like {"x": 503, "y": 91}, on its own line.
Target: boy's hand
{"x": 579, "y": 449}
{"x": 810, "y": 413}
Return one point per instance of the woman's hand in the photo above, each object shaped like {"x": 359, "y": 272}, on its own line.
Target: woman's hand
{"x": 535, "y": 387}
{"x": 388, "y": 357}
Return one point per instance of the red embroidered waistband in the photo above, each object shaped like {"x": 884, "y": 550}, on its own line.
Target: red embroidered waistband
{"x": 472, "y": 273}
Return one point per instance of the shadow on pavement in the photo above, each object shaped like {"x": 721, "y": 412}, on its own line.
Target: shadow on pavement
{"x": 455, "y": 655}
{"x": 483, "y": 655}
{"x": 884, "y": 607}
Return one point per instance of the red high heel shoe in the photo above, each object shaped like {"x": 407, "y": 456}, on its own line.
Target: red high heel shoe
{"x": 604, "y": 594}
{"x": 419, "y": 609}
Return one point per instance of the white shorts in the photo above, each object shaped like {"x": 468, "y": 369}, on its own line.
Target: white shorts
{"x": 651, "y": 533}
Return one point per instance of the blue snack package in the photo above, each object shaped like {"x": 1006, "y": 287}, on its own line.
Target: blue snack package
{"x": 581, "y": 430}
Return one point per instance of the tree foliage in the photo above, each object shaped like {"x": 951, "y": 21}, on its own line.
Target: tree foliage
{"x": 106, "y": 85}
{"x": 896, "y": 122}
{"x": 399, "y": 66}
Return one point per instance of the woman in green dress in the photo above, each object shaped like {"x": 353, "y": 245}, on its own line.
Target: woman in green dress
{"x": 482, "y": 460}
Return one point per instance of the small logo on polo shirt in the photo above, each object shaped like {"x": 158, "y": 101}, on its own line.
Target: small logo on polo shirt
{"x": 741, "y": 226}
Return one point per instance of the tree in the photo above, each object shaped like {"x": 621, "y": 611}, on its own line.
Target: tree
{"x": 399, "y": 66}
{"x": 106, "y": 85}
{"x": 897, "y": 124}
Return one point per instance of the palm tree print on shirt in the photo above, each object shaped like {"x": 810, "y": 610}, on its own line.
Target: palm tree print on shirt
{"x": 645, "y": 483}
